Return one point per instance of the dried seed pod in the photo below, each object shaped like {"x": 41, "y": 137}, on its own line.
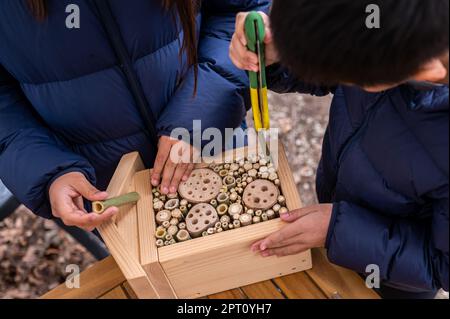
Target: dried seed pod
{"x": 263, "y": 162}
{"x": 166, "y": 224}
{"x": 256, "y": 166}
{"x": 225, "y": 225}
{"x": 226, "y": 166}
{"x": 236, "y": 216}
{"x": 241, "y": 170}
{"x": 223, "y": 189}
{"x": 219, "y": 230}
{"x": 222, "y": 209}
{"x": 160, "y": 243}
{"x": 252, "y": 173}
{"x": 235, "y": 209}
{"x": 277, "y": 182}
{"x": 158, "y": 206}
{"x": 245, "y": 219}
{"x": 236, "y": 223}
{"x": 230, "y": 226}
{"x": 183, "y": 235}
{"x": 270, "y": 214}
{"x": 218, "y": 225}
{"x": 265, "y": 175}
{"x": 258, "y": 213}
{"x": 264, "y": 217}
{"x": 223, "y": 198}
{"x": 256, "y": 219}
{"x": 155, "y": 200}
{"x": 234, "y": 197}
{"x": 214, "y": 203}
{"x": 163, "y": 216}
{"x": 225, "y": 219}
{"x": 174, "y": 221}
{"x": 234, "y": 167}
{"x": 176, "y": 213}
{"x": 217, "y": 169}
{"x": 168, "y": 237}
{"x": 182, "y": 225}
{"x": 223, "y": 173}
{"x": 163, "y": 198}
{"x": 184, "y": 202}
{"x": 281, "y": 200}
{"x": 263, "y": 169}
{"x": 249, "y": 179}
{"x": 161, "y": 234}
{"x": 276, "y": 208}
{"x": 172, "y": 230}
{"x": 248, "y": 166}
{"x": 211, "y": 231}
{"x": 244, "y": 184}
{"x": 229, "y": 182}
{"x": 283, "y": 210}
{"x": 273, "y": 176}
{"x": 172, "y": 204}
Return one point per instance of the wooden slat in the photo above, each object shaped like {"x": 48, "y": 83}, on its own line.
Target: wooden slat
{"x": 94, "y": 282}
{"x": 262, "y": 290}
{"x": 129, "y": 291}
{"x": 338, "y": 282}
{"x": 229, "y": 294}
{"x": 299, "y": 286}
{"x": 116, "y": 293}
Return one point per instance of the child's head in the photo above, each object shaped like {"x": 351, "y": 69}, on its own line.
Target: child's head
{"x": 330, "y": 42}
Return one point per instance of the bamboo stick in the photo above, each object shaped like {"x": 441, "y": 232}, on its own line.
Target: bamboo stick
{"x": 100, "y": 206}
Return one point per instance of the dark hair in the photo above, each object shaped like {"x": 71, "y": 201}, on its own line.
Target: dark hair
{"x": 328, "y": 42}
{"x": 187, "y": 11}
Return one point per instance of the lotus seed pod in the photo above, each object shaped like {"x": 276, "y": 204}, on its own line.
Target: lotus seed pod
{"x": 183, "y": 235}
{"x": 205, "y": 233}
{"x": 172, "y": 230}
{"x": 158, "y": 206}
{"x": 161, "y": 234}
{"x": 258, "y": 213}
{"x": 273, "y": 177}
{"x": 183, "y": 202}
{"x": 236, "y": 223}
{"x": 172, "y": 204}
{"x": 256, "y": 219}
{"x": 245, "y": 219}
{"x": 222, "y": 209}
{"x": 223, "y": 198}
{"x": 283, "y": 210}
{"x": 225, "y": 219}
{"x": 214, "y": 203}
{"x": 166, "y": 224}
{"x": 174, "y": 221}
{"x": 235, "y": 209}
{"x": 276, "y": 208}
{"x": 172, "y": 196}
{"x": 176, "y": 213}
{"x": 184, "y": 209}
{"x": 236, "y": 216}
{"x": 234, "y": 197}
{"x": 182, "y": 225}
{"x": 172, "y": 241}
{"x": 211, "y": 231}
{"x": 264, "y": 217}
{"x": 270, "y": 214}
{"x": 168, "y": 237}
{"x": 160, "y": 243}
{"x": 281, "y": 200}
{"x": 225, "y": 225}
{"x": 163, "y": 216}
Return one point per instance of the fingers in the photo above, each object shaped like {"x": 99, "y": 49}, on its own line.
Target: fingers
{"x": 239, "y": 54}
{"x": 177, "y": 177}
{"x": 299, "y": 213}
{"x": 87, "y": 190}
{"x": 161, "y": 158}
{"x": 240, "y": 28}
{"x": 274, "y": 240}
{"x": 88, "y": 221}
{"x": 285, "y": 251}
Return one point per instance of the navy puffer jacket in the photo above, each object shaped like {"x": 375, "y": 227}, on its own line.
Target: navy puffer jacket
{"x": 385, "y": 167}
{"x": 65, "y": 104}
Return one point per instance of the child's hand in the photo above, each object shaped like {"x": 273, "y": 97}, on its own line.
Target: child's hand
{"x": 307, "y": 228}
{"x": 241, "y": 56}
{"x": 66, "y": 198}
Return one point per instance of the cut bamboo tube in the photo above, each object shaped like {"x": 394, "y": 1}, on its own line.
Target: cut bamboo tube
{"x": 100, "y": 206}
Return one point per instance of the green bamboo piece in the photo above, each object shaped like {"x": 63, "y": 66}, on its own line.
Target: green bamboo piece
{"x": 130, "y": 198}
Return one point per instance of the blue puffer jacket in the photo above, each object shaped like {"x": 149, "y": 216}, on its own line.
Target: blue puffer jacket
{"x": 65, "y": 104}
{"x": 385, "y": 167}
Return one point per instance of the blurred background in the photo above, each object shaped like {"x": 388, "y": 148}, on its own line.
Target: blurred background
{"x": 34, "y": 252}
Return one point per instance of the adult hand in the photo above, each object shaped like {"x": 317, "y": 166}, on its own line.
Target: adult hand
{"x": 241, "y": 56}
{"x": 173, "y": 164}
{"x": 66, "y": 198}
{"x": 307, "y": 228}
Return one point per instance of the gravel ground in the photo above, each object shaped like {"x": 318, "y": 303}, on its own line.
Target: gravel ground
{"x": 35, "y": 252}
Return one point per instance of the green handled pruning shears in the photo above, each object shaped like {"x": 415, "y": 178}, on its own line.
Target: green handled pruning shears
{"x": 255, "y": 33}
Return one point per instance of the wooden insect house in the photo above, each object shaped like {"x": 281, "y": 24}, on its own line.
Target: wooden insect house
{"x": 197, "y": 242}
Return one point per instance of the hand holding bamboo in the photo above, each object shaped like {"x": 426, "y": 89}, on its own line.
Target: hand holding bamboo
{"x": 130, "y": 198}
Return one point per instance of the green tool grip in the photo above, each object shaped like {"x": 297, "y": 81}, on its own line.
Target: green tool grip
{"x": 255, "y": 32}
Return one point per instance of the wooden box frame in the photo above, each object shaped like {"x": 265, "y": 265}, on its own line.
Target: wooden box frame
{"x": 197, "y": 267}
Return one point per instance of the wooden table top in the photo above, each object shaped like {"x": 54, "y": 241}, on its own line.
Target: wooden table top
{"x": 104, "y": 280}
